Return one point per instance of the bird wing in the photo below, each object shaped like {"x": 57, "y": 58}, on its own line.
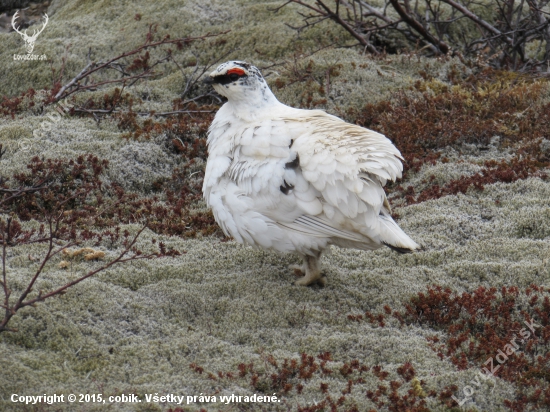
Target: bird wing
{"x": 347, "y": 166}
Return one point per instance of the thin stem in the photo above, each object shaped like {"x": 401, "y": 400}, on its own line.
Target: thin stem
{"x": 93, "y": 67}
{"x": 119, "y": 259}
{"x": 4, "y": 278}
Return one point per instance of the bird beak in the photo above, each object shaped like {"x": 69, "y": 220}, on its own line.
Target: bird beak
{"x": 208, "y": 80}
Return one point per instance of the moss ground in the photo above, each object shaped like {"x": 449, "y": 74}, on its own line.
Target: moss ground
{"x": 137, "y": 328}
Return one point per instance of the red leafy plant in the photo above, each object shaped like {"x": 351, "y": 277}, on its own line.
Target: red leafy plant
{"x": 510, "y": 323}
{"x": 288, "y": 375}
{"x": 72, "y": 207}
{"x": 435, "y": 115}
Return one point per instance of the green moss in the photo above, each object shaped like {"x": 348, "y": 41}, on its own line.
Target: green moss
{"x": 136, "y": 328}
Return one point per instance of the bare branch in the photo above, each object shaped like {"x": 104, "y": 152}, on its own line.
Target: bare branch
{"x": 118, "y": 259}
{"x": 475, "y": 18}
{"x": 501, "y": 40}
{"x": 94, "y": 67}
{"x": 161, "y": 114}
{"x": 336, "y": 17}
{"x": 411, "y": 21}
{"x": 72, "y": 205}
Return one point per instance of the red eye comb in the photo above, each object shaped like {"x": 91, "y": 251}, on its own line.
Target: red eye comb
{"x": 240, "y": 72}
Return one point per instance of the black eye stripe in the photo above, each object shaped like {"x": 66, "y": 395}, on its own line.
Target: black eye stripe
{"x": 228, "y": 78}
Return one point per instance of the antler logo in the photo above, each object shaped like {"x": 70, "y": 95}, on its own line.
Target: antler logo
{"x": 29, "y": 40}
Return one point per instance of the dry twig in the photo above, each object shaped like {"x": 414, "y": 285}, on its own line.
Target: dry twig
{"x": 69, "y": 200}
{"x": 75, "y": 85}
{"x": 505, "y": 40}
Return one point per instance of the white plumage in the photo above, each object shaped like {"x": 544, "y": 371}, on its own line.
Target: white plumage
{"x": 294, "y": 180}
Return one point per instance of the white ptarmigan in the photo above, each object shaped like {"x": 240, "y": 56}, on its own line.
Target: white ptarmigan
{"x": 294, "y": 180}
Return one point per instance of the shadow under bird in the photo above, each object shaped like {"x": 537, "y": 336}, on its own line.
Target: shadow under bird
{"x": 294, "y": 180}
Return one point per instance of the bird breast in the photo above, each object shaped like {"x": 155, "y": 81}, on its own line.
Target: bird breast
{"x": 257, "y": 154}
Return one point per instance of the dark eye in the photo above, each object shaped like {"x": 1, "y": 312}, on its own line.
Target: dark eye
{"x": 234, "y": 77}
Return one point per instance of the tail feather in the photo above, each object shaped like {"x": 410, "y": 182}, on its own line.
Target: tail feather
{"x": 393, "y": 236}
{"x": 401, "y": 250}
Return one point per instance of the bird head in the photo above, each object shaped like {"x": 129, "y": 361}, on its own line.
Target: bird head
{"x": 240, "y": 82}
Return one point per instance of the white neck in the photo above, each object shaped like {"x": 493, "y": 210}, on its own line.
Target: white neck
{"x": 250, "y": 103}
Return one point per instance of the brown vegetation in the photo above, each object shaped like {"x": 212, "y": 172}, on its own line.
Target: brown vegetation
{"x": 479, "y": 324}
{"x": 435, "y": 116}
{"x": 73, "y": 206}
{"x": 283, "y": 376}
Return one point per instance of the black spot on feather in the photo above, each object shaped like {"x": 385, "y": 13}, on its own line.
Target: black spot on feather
{"x": 285, "y": 187}
{"x": 294, "y": 164}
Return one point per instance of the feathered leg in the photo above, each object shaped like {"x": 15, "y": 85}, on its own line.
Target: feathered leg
{"x": 311, "y": 269}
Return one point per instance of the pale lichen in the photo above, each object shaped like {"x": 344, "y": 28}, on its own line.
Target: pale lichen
{"x": 136, "y": 328}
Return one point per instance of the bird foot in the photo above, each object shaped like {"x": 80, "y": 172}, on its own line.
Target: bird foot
{"x": 321, "y": 281}
{"x": 298, "y": 270}
{"x": 308, "y": 279}
{"x": 309, "y": 272}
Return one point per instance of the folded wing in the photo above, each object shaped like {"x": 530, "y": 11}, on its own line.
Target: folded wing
{"x": 348, "y": 166}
